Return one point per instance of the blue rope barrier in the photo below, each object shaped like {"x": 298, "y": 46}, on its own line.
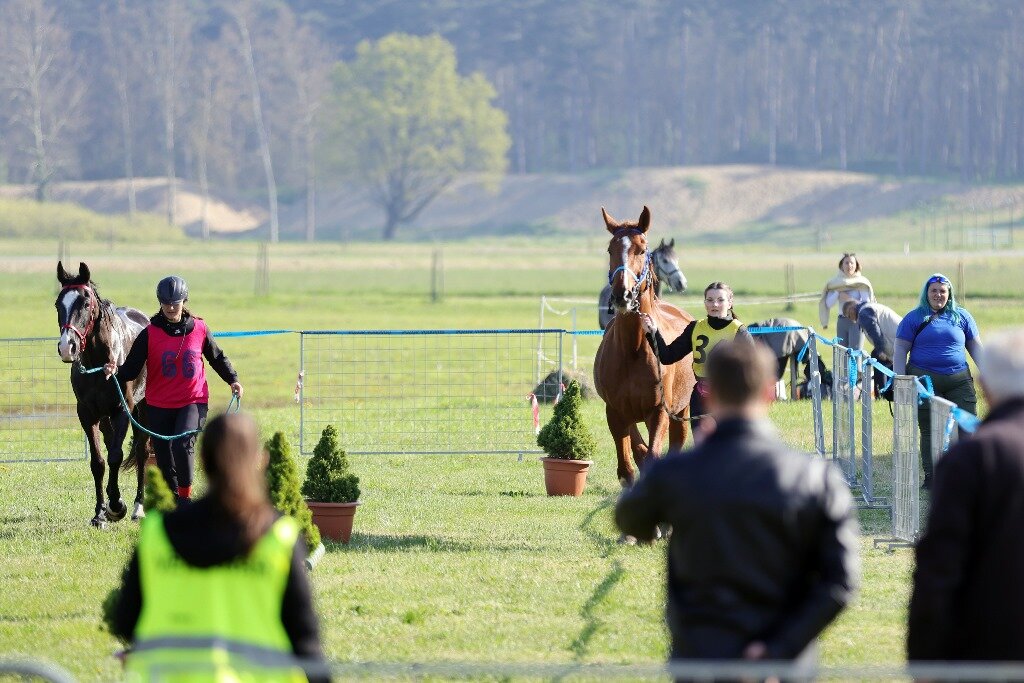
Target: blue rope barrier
{"x": 430, "y": 332}
{"x": 252, "y": 333}
{"x": 771, "y": 330}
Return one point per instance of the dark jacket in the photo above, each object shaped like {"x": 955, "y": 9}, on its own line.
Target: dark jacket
{"x": 968, "y": 595}
{"x": 763, "y": 546}
{"x": 203, "y": 537}
{"x": 137, "y": 356}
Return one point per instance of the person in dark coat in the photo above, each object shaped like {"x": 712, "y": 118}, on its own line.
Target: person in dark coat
{"x": 763, "y": 551}
{"x": 967, "y": 597}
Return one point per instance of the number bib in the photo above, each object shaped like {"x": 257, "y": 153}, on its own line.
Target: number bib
{"x": 175, "y": 374}
{"x": 705, "y": 338}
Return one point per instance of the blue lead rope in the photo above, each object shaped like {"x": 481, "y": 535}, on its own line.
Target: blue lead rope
{"x": 235, "y": 401}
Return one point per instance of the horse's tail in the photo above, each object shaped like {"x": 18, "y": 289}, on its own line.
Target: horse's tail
{"x": 140, "y": 440}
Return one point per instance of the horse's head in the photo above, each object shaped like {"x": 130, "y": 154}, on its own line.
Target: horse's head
{"x": 78, "y": 306}
{"x": 629, "y": 262}
{"x": 666, "y": 266}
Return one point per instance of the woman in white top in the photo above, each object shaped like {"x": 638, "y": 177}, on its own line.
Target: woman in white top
{"x": 847, "y": 285}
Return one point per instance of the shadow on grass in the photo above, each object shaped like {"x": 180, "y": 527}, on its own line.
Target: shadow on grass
{"x": 581, "y": 645}
{"x": 384, "y": 543}
{"x": 8, "y": 524}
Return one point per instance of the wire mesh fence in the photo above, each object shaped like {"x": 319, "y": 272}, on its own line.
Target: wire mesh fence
{"x": 425, "y": 391}
{"x": 38, "y": 418}
{"x": 844, "y": 416}
{"x": 943, "y": 426}
{"x": 906, "y": 501}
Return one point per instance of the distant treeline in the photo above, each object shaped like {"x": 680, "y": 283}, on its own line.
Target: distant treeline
{"x": 224, "y": 92}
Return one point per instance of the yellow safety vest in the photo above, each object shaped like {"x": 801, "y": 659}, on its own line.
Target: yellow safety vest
{"x": 220, "y": 623}
{"x": 706, "y": 338}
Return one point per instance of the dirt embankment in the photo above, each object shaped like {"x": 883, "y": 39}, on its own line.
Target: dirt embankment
{"x": 696, "y": 198}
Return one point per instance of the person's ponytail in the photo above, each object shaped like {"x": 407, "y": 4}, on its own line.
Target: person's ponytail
{"x": 232, "y": 459}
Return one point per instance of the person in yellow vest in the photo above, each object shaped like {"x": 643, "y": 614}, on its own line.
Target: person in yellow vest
{"x": 699, "y": 337}
{"x": 217, "y": 590}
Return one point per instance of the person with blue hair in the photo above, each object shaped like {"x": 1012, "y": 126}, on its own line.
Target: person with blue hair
{"x": 938, "y": 335}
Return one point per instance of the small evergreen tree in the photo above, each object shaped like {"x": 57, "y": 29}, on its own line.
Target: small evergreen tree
{"x": 158, "y": 494}
{"x": 566, "y": 435}
{"x": 327, "y": 477}
{"x": 283, "y": 485}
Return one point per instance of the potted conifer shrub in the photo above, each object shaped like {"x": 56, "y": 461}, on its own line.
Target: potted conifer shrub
{"x": 283, "y": 487}
{"x": 569, "y": 446}
{"x": 331, "y": 491}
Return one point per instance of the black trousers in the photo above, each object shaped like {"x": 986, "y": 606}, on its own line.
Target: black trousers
{"x": 958, "y": 388}
{"x": 176, "y": 459}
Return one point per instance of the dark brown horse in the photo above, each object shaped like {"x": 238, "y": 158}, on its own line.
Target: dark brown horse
{"x": 93, "y": 332}
{"x": 628, "y": 376}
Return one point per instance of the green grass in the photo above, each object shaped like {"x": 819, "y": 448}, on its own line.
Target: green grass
{"x": 453, "y": 557}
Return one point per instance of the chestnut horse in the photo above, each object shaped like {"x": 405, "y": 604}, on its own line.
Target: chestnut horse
{"x": 628, "y": 376}
{"x": 93, "y": 332}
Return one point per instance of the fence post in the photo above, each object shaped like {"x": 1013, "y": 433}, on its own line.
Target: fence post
{"x": 790, "y": 278}
{"x": 816, "y": 408}
{"x": 262, "y": 269}
{"x": 437, "y": 276}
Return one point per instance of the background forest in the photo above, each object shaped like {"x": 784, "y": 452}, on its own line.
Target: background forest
{"x": 230, "y": 95}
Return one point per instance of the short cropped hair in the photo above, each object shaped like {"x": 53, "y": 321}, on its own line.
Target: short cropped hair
{"x": 738, "y": 371}
{"x": 1001, "y": 364}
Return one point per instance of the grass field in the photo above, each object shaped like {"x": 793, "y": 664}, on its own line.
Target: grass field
{"x": 454, "y": 558}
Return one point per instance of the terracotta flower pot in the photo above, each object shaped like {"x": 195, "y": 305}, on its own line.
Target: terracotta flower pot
{"x": 565, "y": 477}
{"x": 334, "y": 520}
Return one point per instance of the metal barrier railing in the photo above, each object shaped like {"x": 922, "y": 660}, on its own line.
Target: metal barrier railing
{"x": 32, "y": 670}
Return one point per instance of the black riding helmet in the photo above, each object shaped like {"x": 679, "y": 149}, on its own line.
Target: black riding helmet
{"x": 171, "y": 290}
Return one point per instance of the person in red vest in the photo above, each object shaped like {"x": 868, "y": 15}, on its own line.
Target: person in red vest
{"x": 171, "y": 351}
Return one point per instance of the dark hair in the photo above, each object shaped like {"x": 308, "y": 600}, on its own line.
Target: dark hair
{"x": 233, "y": 461}
{"x": 843, "y": 258}
{"x": 738, "y": 371}
{"x": 722, "y": 285}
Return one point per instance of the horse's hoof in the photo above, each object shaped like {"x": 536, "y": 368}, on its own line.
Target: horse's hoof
{"x": 116, "y": 512}
{"x": 98, "y": 522}
{"x": 665, "y": 530}
{"x": 138, "y": 513}
{"x": 657, "y": 532}
{"x": 626, "y": 539}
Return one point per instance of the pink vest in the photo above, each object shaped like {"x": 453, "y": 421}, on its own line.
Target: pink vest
{"x": 175, "y": 374}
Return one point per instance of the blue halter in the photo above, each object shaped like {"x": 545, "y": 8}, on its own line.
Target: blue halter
{"x": 647, "y": 259}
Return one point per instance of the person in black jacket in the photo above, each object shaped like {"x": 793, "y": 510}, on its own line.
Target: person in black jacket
{"x": 171, "y": 349}
{"x": 967, "y": 597}
{"x": 220, "y": 532}
{"x": 763, "y": 551}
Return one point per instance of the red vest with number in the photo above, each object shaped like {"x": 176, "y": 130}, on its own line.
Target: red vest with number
{"x": 175, "y": 375}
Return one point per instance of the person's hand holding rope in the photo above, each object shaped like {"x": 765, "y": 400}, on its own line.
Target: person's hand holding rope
{"x": 236, "y": 389}
{"x": 648, "y": 323}
{"x": 109, "y": 369}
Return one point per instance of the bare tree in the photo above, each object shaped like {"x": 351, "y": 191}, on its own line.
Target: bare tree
{"x": 168, "y": 33}
{"x": 242, "y": 14}
{"x": 121, "y": 58}
{"x": 41, "y": 80}
{"x": 305, "y": 61}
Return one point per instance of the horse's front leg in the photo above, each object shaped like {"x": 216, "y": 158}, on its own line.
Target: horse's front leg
{"x": 639, "y": 445}
{"x": 657, "y": 425}
{"x": 98, "y": 467}
{"x": 619, "y": 428}
{"x": 678, "y": 427}
{"x": 114, "y": 431}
